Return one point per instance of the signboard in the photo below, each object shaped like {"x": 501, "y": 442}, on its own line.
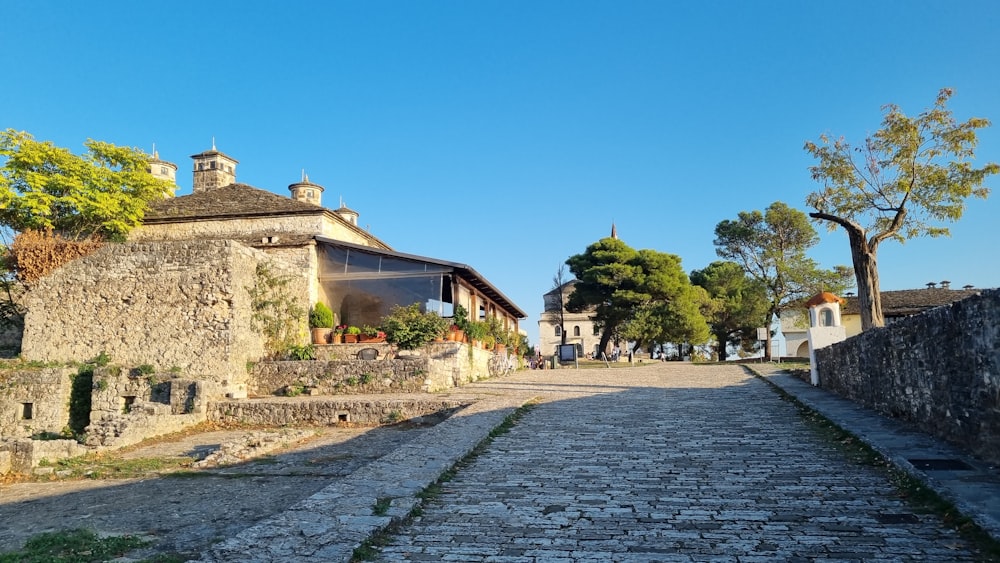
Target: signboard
{"x": 567, "y": 352}
{"x": 762, "y": 333}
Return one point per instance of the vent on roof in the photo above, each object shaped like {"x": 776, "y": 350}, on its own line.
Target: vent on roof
{"x": 967, "y": 286}
{"x": 931, "y": 285}
{"x": 945, "y": 284}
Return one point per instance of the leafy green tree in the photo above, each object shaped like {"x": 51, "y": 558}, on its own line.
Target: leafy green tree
{"x": 909, "y": 176}
{"x": 104, "y": 192}
{"x": 642, "y": 296}
{"x": 771, "y": 248}
{"x": 738, "y": 304}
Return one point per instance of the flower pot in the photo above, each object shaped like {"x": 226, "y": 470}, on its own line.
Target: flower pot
{"x": 321, "y": 335}
{"x": 366, "y": 338}
{"x": 350, "y": 339}
{"x": 456, "y": 336}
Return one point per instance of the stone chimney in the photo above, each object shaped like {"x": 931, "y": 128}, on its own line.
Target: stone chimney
{"x": 213, "y": 169}
{"x": 945, "y": 284}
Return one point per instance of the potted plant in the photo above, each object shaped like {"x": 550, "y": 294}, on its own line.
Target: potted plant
{"x": 351, "y": 334}
{"x": 338, "y": 334}
{"x": 371, "y": 334}
{"x": 460, "y": 320}
{"x": 321, "y": 323}
{"x": 409, "y": 328}
{"x": 477, "y": 331}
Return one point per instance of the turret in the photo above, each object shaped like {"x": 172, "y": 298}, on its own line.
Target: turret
{"x": 213, "y": 169}
{"x": 307, "y": 191}
{"x": 161, "y": 169}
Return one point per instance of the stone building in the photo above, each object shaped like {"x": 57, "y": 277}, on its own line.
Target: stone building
{"x": 580, "y": 329}
{"x": 181, "y": 283}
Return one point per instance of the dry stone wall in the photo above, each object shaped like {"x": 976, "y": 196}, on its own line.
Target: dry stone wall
{"x": 939, "y": 370}
{"x": 436, "y": 367}
{"x": 34, "y": 401}
{"x": 182, "y": 305}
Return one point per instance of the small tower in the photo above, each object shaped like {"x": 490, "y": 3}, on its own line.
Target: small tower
{"x": 349, "y": 215}
{"x": 213, "y": 169}
{"x": 824, "y": 327}
{"x": 307, "y": 191}
{"x": 161, "y": 169}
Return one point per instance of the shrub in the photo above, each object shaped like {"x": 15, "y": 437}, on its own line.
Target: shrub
{"x": 409, "y": 328}
{"x": 320, "y": 316}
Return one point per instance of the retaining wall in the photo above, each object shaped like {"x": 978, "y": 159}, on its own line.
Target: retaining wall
{"x": 939, "y": 370}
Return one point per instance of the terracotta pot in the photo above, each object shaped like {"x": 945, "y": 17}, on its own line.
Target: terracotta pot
{"x": 350, "y": 338}
{"x": 456, "y": 336}
{"x": 321, "y": 335}
{"x": 365, "y": 338}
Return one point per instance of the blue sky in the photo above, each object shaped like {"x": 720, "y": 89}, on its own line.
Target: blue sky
{"x": 508, "y": 135}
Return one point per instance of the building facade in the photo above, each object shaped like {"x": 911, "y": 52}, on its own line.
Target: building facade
{"x": 579, "y": 327}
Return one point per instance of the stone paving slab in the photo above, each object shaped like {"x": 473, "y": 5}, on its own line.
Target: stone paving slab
{"x": 685, "y": 463}
{"x": 975, "y": 491}
{"x": 670, "y": 462}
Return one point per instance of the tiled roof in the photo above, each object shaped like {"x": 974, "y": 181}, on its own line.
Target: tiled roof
{"x": 912, "y": 301}
{"x": 234, "y": 200}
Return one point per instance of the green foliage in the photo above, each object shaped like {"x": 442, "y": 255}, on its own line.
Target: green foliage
{"x": 460, "y": 317}
{"x": 908, "y": 177}
{"x": 771, "y": 248}
{"x": 104, "y": 192}
{"x": 367, "y": 378}
{"x": 409, "y": 328}
{"x": 73, "y": 546}
{"x": 81, "y": 389}
{"x": 353, "y": 330}
{"x": 640, "y": 295}
{"x": 275, "y": 313}
{"x": 146, "y": 369}
{"x": 477, "y": 330}
{"x": 303, "y": 352}
{"x": 100, "y": 360}
{"x": 736, "y": 304}
{"x": 294, "y": 390}
{"x": 320, "y": 316}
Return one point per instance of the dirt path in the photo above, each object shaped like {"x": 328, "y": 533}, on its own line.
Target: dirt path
{"x": 187, "y": 512}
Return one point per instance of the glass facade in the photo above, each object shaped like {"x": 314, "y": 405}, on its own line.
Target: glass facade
{"x": 361, "y": 287}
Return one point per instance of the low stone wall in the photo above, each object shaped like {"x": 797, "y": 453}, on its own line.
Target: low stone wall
{"x": 34, "y": 400}
{"x": 436, "y": 367}
{"x": 279, "y": 411}
{"x": 128, "y": 406}
{"x": 939, "y": 370}
{"x": 25, "y": 454}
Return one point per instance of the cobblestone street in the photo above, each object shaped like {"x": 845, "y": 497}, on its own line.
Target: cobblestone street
{"x": 667, "y": 463}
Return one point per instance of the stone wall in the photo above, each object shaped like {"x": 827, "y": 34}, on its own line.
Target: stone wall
{"x": 175, "y": 305}
{"x": 128, "y": 406}
{"x": 314, "y": 411}
{"x": 939, "y": 370}
{"x": 438, "y": 366}
{"x": 34, "y": 401}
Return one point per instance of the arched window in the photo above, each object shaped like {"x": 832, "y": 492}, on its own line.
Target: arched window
{"x": 826, "y": 317}
{"x": 558, "y": 330}
{"x": 576, "y": 331}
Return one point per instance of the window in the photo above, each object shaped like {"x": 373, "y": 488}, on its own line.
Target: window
{"x": 826, "y": 317}
{"x": 27, "y": 411}
{"x": 558, "y": 330}
{"x": 212, "y": 165}
{"x": 309, "y": 194}
{"x": 576, "y": 331}
{"x": 163, "y": 170}
{"x": 201, "y": 166}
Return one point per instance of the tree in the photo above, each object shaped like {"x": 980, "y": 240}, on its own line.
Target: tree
{"x": 105, "y": 192}
{"x": 910, "y": 175}
{"x": 771, "y": 248}
{"x": 643, "y": 296}
{"x": 738, "y": 304}
{"x": 560, "y": 280}
{"x": 72, "y": 201}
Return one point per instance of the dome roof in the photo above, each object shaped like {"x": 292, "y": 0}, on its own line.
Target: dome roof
{"x": 824, "y": 297}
